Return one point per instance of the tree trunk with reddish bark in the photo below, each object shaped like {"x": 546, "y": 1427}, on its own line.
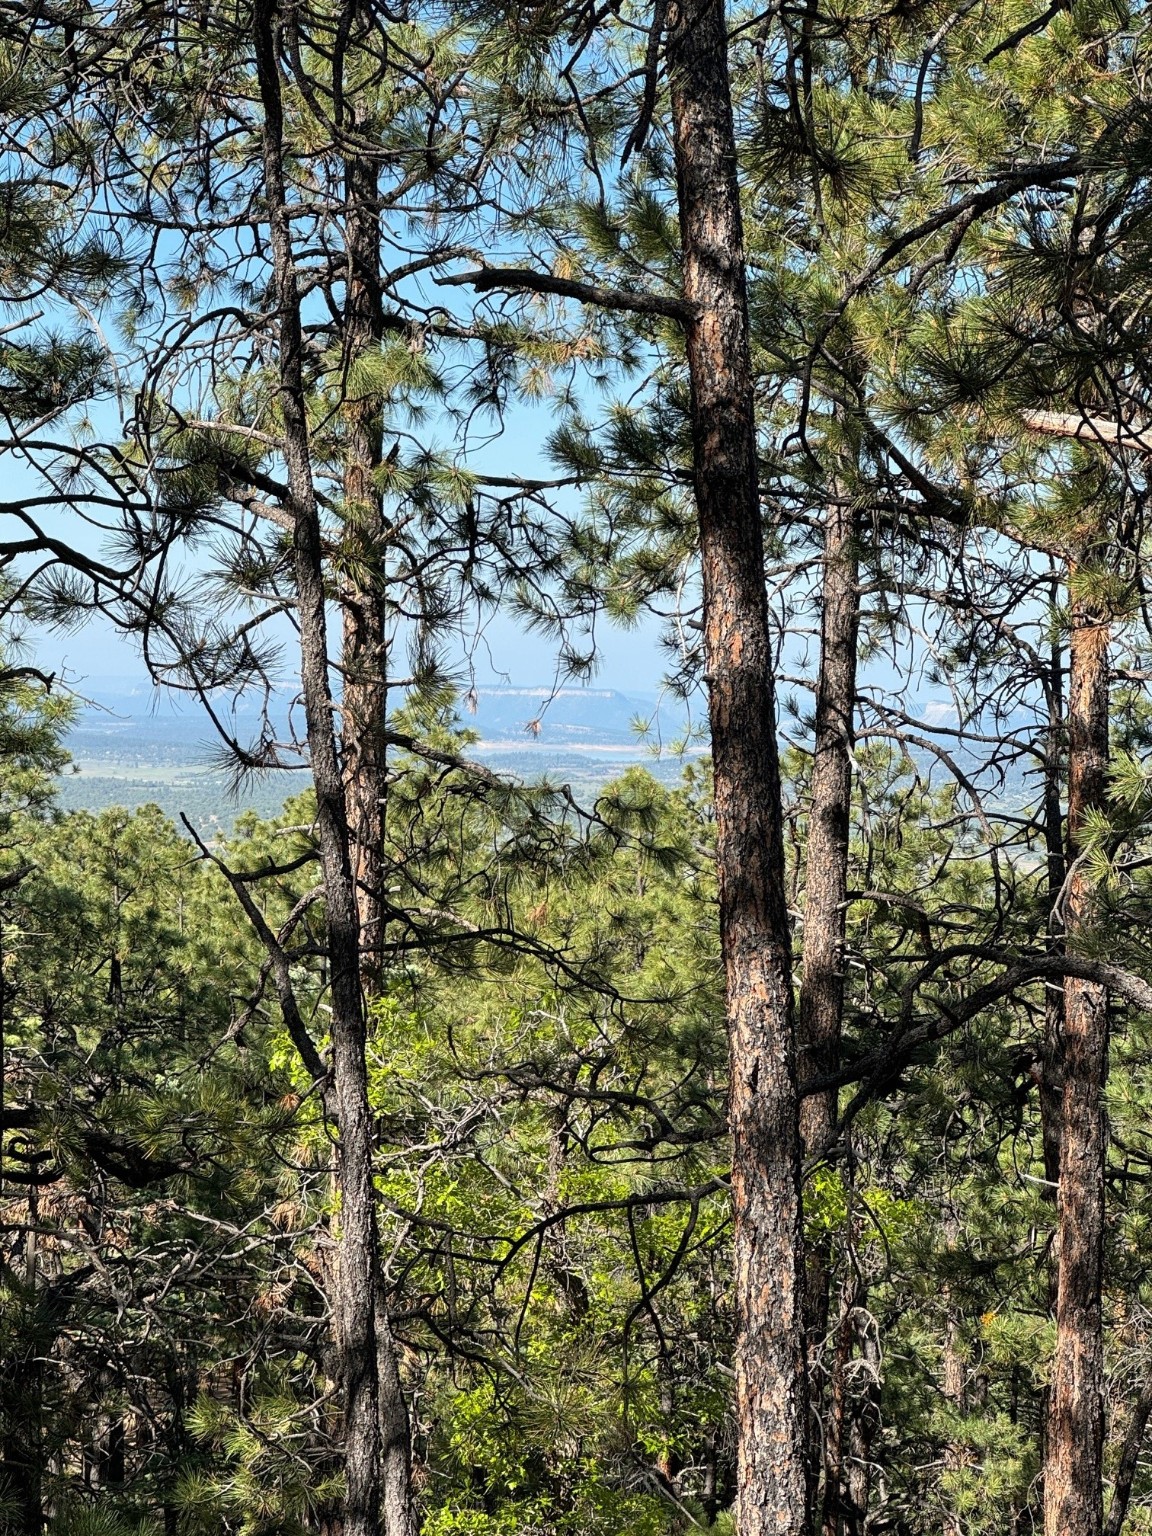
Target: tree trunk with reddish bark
{"x": 771, "y": 1387}
{"x": 1073, "y": 1471}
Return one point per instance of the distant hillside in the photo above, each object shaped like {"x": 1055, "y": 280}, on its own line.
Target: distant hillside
{"x": 134, "y": 745}
{"x": 139, "y": 745}
{"x": 566, "y": 716}
{"x": 129, "y": 723}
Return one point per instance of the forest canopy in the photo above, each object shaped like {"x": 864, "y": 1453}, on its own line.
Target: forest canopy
{"x": 467, "y": 1154}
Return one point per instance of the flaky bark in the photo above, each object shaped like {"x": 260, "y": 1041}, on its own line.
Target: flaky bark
{"x": 355, "y": 1300}
{"x": 1073, "y": 1504}
{"x": 770, "y": 1365}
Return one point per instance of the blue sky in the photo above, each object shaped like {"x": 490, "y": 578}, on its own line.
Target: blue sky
{"x": 630, "y": 659}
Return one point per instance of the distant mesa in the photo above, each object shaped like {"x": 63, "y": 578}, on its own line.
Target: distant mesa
{"x": 562, "y": 717}
{"x": 146, "y": 725}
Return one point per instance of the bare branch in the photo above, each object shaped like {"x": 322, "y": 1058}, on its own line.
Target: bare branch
{"x": 524, "y": 280}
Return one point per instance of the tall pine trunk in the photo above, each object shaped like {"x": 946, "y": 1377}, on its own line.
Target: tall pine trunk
{"x": 835, "y": 1507}
{"x": 821, "y": 1011}
{"x": 1051, "y": 1071}
{"x": 365, "y": 705}
{"x": 771, "y": 1386}
{"x": 356, "y": 1287}
{"x": 397, "y": 1504}
{"x": 1073, "y": 1500}
{"x": 364, "y": 716}
{"x": 362, "y": 599}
